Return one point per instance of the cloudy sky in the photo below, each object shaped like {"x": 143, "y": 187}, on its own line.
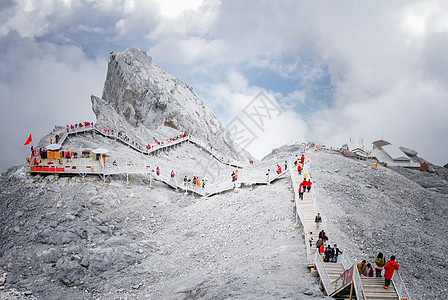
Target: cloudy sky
{"x": 337, "y": 69}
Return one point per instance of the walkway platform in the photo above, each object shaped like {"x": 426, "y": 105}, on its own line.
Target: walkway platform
{"x": 89, "y": 166}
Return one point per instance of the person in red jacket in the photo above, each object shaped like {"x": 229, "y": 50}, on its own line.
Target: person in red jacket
{"x": 390, "y": 267}
{"x": 172, "y": 174}
{"x": 321, "y": 249}
{"x": 302, "y": 159}
{"x": 302, "y": 188}
{"x": 299, "y": 169}
{"x": 158, "y": 171}
{"x": 308, "y": 185}
{"x": 279, "y": 169}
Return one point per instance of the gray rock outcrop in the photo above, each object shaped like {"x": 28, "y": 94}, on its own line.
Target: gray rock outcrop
{"x": 145, "y": 97}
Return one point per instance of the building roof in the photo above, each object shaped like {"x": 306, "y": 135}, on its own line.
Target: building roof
{"x": 395, "y": 153}
{"x": 348, "y": 153}
{"x": 380, "y": 143}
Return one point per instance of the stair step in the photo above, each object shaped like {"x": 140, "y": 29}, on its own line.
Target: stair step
{"x": 381, "y": 297}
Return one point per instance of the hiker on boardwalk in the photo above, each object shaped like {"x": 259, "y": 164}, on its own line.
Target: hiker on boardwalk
{"x": 302, "y": 159}
{"x": 157, "y": 171}
{"x": 172, "y": 174}
{"x": 267, "y": 175}
{"x": 321, "y": 249}
{"x": 185, "y": 181}
{"x": 380, "y": 261}
{"x": 336, "y": 253}
{"x": 319, "y": 243}
{"x": 310, "y": 238}
{"x": 328, "y": 254}
{"x": 323, "y": 236}
{"x": 279, "y": 169}
{"x": 362, "y": 268}
{"x": 302, "y": 188}
{"x": 308, "y": 185}
{"x": 299, "y": 169}
{"x": 369, "y": 270}
{"x": 286, "y": 165}
{"x": 318, "y": 219}
{"x": 390, "y": 267}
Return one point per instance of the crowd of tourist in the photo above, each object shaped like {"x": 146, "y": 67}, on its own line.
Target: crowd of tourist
{"x": 75, "y": 127}
{"x": 381, "y": 263}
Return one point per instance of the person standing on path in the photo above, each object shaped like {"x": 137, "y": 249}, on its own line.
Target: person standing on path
{"x": 157, "y": 171}
{"x": 299, "y": 169}
{"x": 336, "y": 253}
{"x": 319, "y": 243}
{"x": 362, "y": 268}
{"x": 380, "y": 261}
{"x": 279, "y": 169}
{"x": 302, "y": 159}
{"x": 369, "y": 270}
{"x": 310, "y": 238}
{"x": 318, "y": 220}
{"x": 390, "y": 267}
{"x": 286, "y": 165}
{"x": 267, "y": 175}
{"x": 308, "y": 185}
{"x": 302, "y": 188}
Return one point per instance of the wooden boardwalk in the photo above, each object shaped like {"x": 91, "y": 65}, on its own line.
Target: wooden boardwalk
{"x": 87, "y": 166}
{"x": 341, "y": 279}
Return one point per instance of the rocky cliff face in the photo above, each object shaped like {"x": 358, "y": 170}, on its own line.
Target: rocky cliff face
{"x": 144, "y": 96}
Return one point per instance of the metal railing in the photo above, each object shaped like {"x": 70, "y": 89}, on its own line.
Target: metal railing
{"x": 324, "y": 279}
{"x": 216, "y": 154}
{"x": 400, "y": 287}
{"x": 355, "y": 278}
{"x": 343, "y": 281}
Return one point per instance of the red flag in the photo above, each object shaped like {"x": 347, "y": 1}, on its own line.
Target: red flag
{"x": 28, "y": 140}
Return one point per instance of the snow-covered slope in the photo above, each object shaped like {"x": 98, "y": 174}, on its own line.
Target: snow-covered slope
{"x": 148, "y": 99}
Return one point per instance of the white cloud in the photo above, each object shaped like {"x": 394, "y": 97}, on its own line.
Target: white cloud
{"x": 173, "y": 8}
{"x": 385, "y": 60}
{"x": 236, "y": 96}
{"x": 48, "y": 86}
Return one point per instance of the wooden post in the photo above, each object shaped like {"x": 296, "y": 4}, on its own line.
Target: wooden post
{"x": 351, "y": 290}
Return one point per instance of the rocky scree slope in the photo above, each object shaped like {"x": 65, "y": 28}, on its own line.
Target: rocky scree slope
{"x": 144, "y": 96}
{"x": 81, "y": 239}
{"x": 369, "y": 211}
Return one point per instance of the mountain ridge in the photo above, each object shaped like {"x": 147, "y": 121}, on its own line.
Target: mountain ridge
{"x": 146, "y": 97}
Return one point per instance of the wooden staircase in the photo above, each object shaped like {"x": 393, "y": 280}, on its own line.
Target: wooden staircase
{"x": 333, "y": 270}
{"x": 350, "y": 284}
{"x": 373, "y": 289}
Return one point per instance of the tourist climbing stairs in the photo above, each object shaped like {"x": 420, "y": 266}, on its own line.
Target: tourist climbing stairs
{"x": 341, "y": 279}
